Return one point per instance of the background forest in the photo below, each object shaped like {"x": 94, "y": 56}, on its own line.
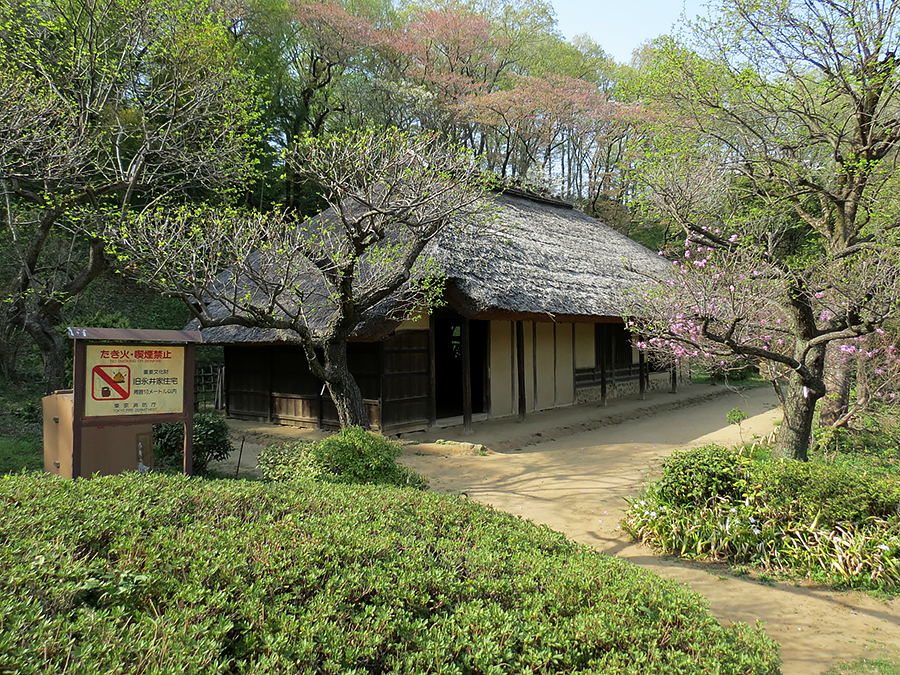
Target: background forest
{"x": 93, "y": 131}
{"x": 761, "y": 141}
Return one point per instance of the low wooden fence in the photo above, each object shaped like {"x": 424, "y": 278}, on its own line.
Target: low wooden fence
{"x": 209, "y": 388}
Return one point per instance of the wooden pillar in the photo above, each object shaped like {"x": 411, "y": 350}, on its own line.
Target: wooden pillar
{"x": 534, "y": 364}
{"x": 642, "y": 375}
{"x": 613, "y": 363}
{"x": 79, "y": 380}
{"x": 188, "y": 408}
{"x": 602, "y": 356}
{"x": 466, "y": 376}
{"x": 381, "y": 380}
{"x": 269, "y": 396}
{"x": 674, "y": 388}
{"x": 520, "y": 367}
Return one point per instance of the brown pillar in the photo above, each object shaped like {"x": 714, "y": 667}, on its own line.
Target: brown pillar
{"x": 188, "y": 408}
{"x": 269, "y": 384}
{"x": 432, "y": 369}
{"x": 674, "y": 387}
{"x": 642, "y": 375}
{"x": 79, "y": 365}
{"x": 602, "y": 354}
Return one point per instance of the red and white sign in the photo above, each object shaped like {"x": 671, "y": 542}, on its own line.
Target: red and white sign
{"x": 133, "y": 380}
{"x": 111, "y": 383}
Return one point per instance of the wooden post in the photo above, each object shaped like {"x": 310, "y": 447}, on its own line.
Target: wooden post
{"x": 79, "y": 366}
{"x": 674, "y": 388}
{"x": 613, "y": 358}
{"x": 534, "y": 364}
{"x": 269, "y": 396}
{"x": 602, "y": 355}
{"x": 520, "y": 367}
{"x": 188, "y": 409}
{"x": 642, "y": 375}
{"x": 466, "y": 376}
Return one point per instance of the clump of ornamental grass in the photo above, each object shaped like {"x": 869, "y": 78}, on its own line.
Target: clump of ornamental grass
{"x": 832, "y": 523}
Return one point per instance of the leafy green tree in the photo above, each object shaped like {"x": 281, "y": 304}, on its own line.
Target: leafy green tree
{"x": 805, "y": 97}
{"x": 108, "y": 105}
{"x": 782, "y": 120}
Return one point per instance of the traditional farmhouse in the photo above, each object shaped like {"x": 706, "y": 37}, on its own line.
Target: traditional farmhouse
{"x": 530, "y": 323}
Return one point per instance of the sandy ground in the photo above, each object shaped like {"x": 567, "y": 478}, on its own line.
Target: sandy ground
{"x": 575, "y": 478}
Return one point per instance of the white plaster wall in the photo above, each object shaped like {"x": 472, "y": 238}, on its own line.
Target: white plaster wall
{"x": 418, "y": 323}
{"x": 565, "y": 371}
{"x": 529, "y": 365}
{"x": 584, "y": 345}
{"x": 545, "y": 372}
{"x": 501, "y": 368}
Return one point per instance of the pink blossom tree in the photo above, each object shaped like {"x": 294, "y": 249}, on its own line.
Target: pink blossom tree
{"x": 800, "y": 98}
{"x": 740, "y": 292}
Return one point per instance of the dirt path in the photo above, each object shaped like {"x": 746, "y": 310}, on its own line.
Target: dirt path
{"x": 578, "y": 485}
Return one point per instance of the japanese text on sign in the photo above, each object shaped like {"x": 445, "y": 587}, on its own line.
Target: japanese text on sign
{"x": 127, "y": 380}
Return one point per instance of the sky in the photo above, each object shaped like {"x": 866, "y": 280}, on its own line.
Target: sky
{"x": 619, "y": 26}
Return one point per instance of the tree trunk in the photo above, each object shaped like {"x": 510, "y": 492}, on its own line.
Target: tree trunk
{"x": 52, "y": 346}
{"x": 344, "y": 390}
{"x": 795, "y": 434}
{"x": 838, "y": 377}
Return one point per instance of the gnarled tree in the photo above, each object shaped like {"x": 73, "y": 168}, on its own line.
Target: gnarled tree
{"x": 803, "y": 96}
{"x": 741, "y": 292}
{"x": 318, "y": 278}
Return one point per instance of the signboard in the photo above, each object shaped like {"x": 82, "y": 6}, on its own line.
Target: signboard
{"x": 133, "y": 380}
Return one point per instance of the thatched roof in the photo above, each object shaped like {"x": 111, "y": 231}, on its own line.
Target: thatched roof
{"x": 539, "y": 260}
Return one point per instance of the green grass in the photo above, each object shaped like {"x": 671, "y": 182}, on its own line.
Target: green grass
{"x": 873, "y": 446}
{"x": 21, "y": 431}
{"x": 735, "y": 379}
{"x": 20, "y": 454}
{"x": 884, "y": 664}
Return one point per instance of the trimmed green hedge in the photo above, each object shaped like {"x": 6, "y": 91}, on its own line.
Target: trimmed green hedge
{"x": 165, "y": 574}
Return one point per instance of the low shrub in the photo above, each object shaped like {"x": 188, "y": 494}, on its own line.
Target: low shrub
{"x": 695, "y": 476}
{"x": 165, "y": 573}
{"x": 285, "y": 461}
{"x": 212, "y": 442}
{"x": 352, "y": 455}
{"x": 831, "y": 494}
{"x": 861, "y": 555}
{"x": 833, "y": 523}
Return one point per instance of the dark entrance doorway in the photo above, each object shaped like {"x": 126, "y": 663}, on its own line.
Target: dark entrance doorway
{"x": 448, "y": 363}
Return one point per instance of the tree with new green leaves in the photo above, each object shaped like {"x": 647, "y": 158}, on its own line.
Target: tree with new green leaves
{"x": 318, "y": 278}
{"x": 742, "y": 290}
{"x": 804, "y": 97}
{"x": 776, "y": 128}
{"x": 108, "y": 105}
